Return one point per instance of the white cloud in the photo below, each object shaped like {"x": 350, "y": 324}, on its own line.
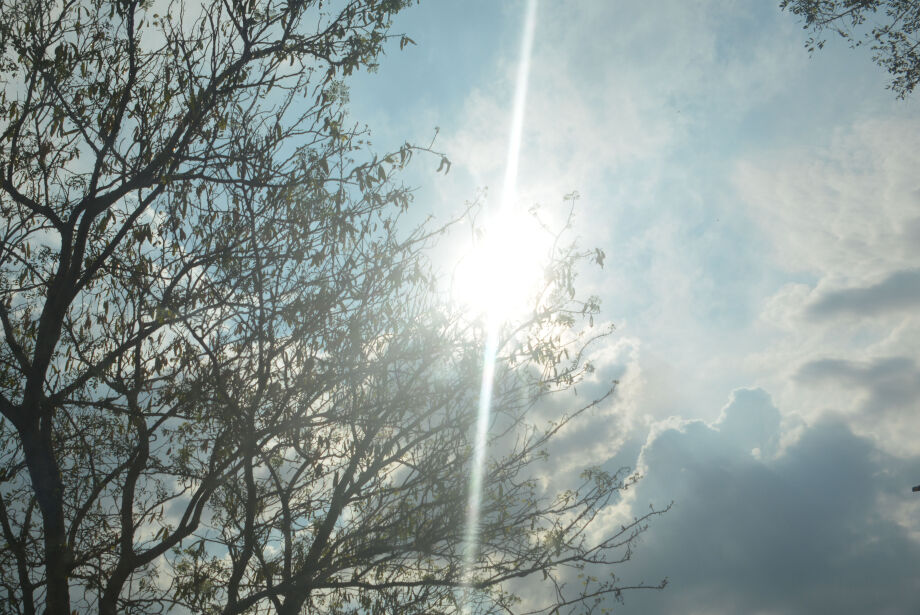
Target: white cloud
{"x": 846, "y": 213}
{"x": 849, "y": 211}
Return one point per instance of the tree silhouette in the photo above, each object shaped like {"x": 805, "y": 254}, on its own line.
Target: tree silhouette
{"x": 229, "y": 382}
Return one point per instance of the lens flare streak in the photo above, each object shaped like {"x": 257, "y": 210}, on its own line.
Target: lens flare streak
{"x": 509, "y": 186}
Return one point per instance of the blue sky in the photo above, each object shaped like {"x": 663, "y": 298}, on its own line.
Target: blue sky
{"x": 760, "y": 210}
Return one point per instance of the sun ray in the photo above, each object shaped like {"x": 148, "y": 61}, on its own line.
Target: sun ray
{"x": 494, "y": 309}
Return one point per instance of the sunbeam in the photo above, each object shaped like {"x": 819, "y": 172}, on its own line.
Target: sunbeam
{"x": 495, "y": 307}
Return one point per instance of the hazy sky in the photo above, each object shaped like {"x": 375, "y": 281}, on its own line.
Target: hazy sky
{"x": 760, "y": 211}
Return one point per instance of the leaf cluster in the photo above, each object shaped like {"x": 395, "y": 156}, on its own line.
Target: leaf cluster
{"x": 891, "y": 27}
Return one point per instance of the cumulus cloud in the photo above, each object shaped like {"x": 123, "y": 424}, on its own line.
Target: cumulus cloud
{"x": 811, "y": 530}
{"x": 751, "y": 421}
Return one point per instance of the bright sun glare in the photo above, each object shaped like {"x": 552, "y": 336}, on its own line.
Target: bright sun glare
{"x": 504, "y": 266}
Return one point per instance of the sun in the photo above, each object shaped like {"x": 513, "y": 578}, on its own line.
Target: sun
{"x": 499, "y": 273}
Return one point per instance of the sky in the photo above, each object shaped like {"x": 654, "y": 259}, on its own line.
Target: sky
{"x": 760, "y": 212}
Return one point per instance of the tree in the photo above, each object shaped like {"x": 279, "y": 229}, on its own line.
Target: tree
{"x": 229, "y": 382}
{"x": 891, "y": 26}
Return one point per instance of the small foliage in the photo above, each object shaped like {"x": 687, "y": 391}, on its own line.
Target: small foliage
{"x": 891, "y": 27}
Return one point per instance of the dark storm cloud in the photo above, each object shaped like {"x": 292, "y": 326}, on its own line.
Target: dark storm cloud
{"x": 803, "y": 533}
{"x": 899, "y": 291}
{"x": 889, "y": 383}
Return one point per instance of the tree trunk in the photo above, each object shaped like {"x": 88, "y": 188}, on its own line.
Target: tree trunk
{"x": 49, "y": 492}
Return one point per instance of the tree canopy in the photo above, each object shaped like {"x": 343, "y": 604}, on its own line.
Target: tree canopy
{"x": 891, "y": 27}
{"x": 229, "y": 382}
